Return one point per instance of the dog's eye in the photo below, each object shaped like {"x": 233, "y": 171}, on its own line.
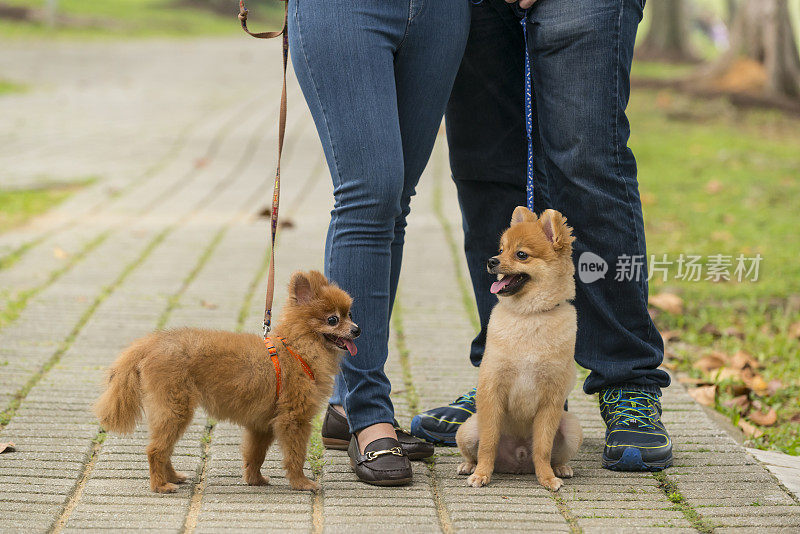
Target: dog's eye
{"x": 333, "y": 320}
{"x": 521, "y": 255}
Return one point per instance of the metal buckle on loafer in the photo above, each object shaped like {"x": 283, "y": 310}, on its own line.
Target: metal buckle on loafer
{"x": 371, "y": 455}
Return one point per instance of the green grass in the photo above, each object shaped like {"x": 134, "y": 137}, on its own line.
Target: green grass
{"x": 18, "y": 206}
{"x": 8, "y": 87}
{"x": 135, "y": 18}
{"x": 670, "y": 489}
{"x": 718, "y": 180}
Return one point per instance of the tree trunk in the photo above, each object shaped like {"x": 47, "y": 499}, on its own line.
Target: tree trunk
{"x": 668, "y": 38}
{"x": 763, "y": 57}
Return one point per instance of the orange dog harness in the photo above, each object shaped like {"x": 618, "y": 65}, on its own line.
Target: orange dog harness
{"x": 273, "y": 355}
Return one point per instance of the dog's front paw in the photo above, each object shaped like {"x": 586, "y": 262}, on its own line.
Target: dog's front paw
{"x": 563, "y": 471}
{"x": 552, "y": 483}
{"x": 166, "y": 487}
{"x": 256, "y": 479}
{"x": 466, "y": 468}
{"x": 304, "y": 484}
{"x": 178, "y": 478}
{"x": 477, "y": 480}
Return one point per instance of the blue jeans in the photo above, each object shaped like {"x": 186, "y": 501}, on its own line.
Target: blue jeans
{"x": 581, "y": 52}
{"x": 376, "y": 76}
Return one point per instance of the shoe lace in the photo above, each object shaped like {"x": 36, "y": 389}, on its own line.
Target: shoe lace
{"x": 469, "y": 397}
{"x": 632, "y": 407}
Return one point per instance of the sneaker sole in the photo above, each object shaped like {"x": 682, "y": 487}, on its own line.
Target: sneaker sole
{"x": 631, "y": 460}
{"x": 421, "y": 433}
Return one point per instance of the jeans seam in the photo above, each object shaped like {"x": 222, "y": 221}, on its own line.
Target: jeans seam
{"x": 617, "y": 149}
{"x": 408, "y": 27}
{"x": 338, "y": 176}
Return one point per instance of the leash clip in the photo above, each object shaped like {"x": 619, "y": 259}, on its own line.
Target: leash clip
{"x": 265, "y": 330}
{"x": 242, "y": 11}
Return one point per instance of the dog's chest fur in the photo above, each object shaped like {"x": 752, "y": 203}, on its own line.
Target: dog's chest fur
{"x": 533, "y": 354}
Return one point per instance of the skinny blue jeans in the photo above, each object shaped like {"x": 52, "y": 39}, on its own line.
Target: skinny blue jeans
{"x": 376, "y": 75}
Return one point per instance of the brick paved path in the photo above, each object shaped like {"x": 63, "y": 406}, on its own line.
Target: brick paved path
{"x": 169, "y": 236}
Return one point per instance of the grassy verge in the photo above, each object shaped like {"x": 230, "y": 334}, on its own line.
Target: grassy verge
{"x": 18, "y": 206}
{"x": 716, "y": 180}
{"x": 88, "y": 19}
{"x": 8, "y": 87}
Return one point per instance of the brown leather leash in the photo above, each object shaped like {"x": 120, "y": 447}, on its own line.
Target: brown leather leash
{"x": 276, "y": 191}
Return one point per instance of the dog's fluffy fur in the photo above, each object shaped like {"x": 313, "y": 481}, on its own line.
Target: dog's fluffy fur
{"x": 169, "y": 374}
{"x": 527, "y": 369}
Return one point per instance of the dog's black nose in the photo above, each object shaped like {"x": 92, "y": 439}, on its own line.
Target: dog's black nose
{"x": 492, "y": 263}
{"x": 356, "y": 330}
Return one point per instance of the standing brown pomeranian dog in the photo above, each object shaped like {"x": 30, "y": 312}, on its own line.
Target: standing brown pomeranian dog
{"x": 233, "y": 377}
{"x": 527, "y": 369}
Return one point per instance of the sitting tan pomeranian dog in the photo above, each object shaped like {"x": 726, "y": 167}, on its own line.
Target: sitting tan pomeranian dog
{"x": 527, "y": 369}
{"x": 235, "y": 377}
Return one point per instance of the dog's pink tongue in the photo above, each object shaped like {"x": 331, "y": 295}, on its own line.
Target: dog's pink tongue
{"x": 351, "y": 347}
{"x": 500, "y": 284}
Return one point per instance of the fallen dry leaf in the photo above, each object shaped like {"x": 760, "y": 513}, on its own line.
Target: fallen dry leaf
{"x": 7, "y": 447}
{"x": 704, "y": 394}
{"x": 209, "y": 305}
{"x": 199, "y": 163}
{"x": 759, "y": 417}
{"x": 60, "y": 253}
{"x": 795, "y": 418}
{"x": 711, "y": 361}
{"x": 713, "y": 187}
{"x": 669, "y": 365}
{"x": 670, "y": 335}
{"x": 709, "y": 328}
{"x": 773, "y": 386}
{"x": 735, "y": 389}
{"x": 742, "y": 402}
{"x": 750, "y": 430}
{"x": 668, "y": 302}
{"x": 287, "y": 223}
{"x": 742, "y": 359}
{"x": 692, "y": 381}
{"x": 754, "y": 381}
{"x": 726, "y": 373}
{"x": 794, "y": 330}
{"x": 733, "y": 331}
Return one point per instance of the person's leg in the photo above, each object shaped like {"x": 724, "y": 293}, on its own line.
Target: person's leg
{"x": 425, "y": 67}
{"x": 581, "y": 59}
{"x": 581, "y": 54}
{"x": 344, "y": 61}
{"x": 486, "y": 138}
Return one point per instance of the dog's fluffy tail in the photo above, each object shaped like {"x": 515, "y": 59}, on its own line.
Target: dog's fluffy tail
{"x": 120, "y": 406}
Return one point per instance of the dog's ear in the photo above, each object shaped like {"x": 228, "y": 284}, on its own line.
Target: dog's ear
{"x": 300, "y": 289}
{"x": 317, "y": 281}
{"x": 556, "y": 229}
{"x": 522, "y": 214}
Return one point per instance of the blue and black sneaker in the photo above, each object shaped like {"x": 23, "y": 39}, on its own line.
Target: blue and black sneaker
{"x": 636, "y": 439}
{"x": 439, "y": 425}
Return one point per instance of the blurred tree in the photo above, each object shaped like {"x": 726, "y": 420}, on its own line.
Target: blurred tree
{"x": 763, "y": 56}
{"x": 668, "y": 38}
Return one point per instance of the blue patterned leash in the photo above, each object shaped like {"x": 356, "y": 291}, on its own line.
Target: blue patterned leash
{"x": 528, "y": 110}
